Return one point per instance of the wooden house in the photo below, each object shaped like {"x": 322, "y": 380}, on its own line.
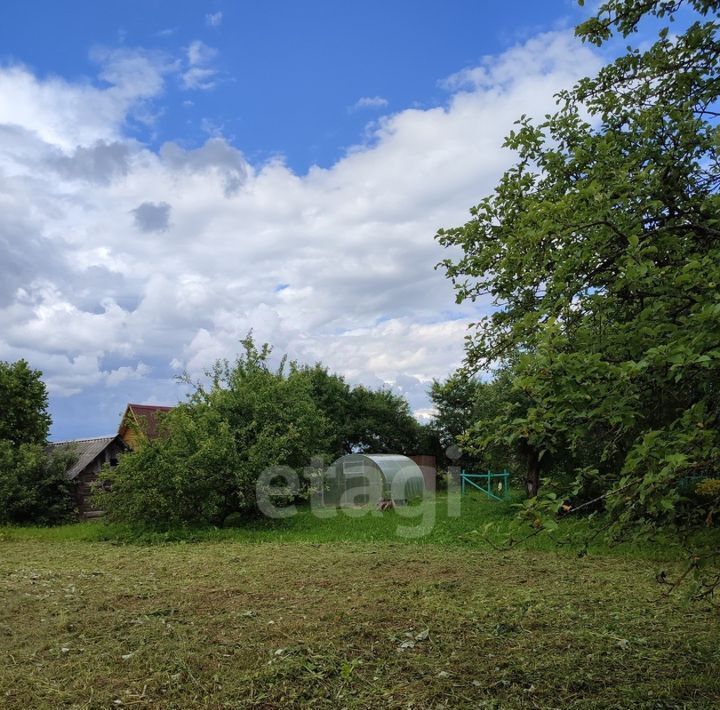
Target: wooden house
{"x": 90, "y": 456}
{"x": 140, "y": 420}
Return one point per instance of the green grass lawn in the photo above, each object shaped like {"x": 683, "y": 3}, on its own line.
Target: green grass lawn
{"x": 343, "y": 613}
{"x": 438, "y": 522}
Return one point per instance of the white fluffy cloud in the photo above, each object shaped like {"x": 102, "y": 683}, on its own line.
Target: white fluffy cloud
{"x": 121, "y": 265}
{"x": 64, "y": 115}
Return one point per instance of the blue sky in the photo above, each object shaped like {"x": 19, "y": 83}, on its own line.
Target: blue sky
{"x": 174, "y": 174}
{"x": 288, "y": 72}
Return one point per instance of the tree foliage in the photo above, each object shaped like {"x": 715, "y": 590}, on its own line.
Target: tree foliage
{"x": 331, "y": 395}
{"x": 246, "y": 419}
{"x": 465, "y": 404}
{"x": 601, "y": 250}
{"x": 23, "y": 398}
{"x": 33, "y": 484}
{"x": 381, "y": 422}
{"x": 212, "y": 449}
{"x": 360, "y": 419}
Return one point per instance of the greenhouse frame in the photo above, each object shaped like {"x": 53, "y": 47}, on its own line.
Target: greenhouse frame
{"x": 359, "y": 479}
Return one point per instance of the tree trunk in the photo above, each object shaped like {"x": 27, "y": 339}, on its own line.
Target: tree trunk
{"x": 532, "y": 481}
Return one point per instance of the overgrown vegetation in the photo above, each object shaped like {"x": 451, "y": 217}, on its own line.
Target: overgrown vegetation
{"x": 472, "y": 521}
{"x": 248, "y": 419}
{"x": 601, "y": 249}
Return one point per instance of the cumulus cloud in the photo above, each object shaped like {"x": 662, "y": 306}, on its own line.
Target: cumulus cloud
{"x": 92, "y": 301}
{"x": 101, "y": 162}
{"x": 124, "y": 373}
{"x": 152, "y": 217}
{"x": 540, "y": 55}
{"x": 64, "y": 115}
{"x": 216, "y": 156}
{"x": 369, "y": 102}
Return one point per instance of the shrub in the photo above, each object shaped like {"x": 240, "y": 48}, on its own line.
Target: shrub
{"x": 33, "y": 485}
{"x": 206, "y": 463}
{"x": 186, "y": 476}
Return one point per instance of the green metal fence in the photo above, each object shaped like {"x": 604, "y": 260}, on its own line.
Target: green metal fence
{"x": 484, "y": 482}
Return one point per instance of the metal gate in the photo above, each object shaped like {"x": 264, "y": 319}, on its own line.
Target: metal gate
{"x": 484, "y": 482}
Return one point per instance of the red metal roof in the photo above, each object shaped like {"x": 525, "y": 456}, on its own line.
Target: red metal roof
{"x": 144, "y": 416}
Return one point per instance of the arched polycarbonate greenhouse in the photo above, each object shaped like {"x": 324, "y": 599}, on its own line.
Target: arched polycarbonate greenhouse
{"x": 359, "y": 479}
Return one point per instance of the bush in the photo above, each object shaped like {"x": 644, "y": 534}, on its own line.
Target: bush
{"x": 211, "y": 450}
{"x": 186, "y": 476}
{"x": 33, "y": 485}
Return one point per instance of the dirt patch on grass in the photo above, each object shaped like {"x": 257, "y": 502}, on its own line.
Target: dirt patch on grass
{"x": 92, "y": 625}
